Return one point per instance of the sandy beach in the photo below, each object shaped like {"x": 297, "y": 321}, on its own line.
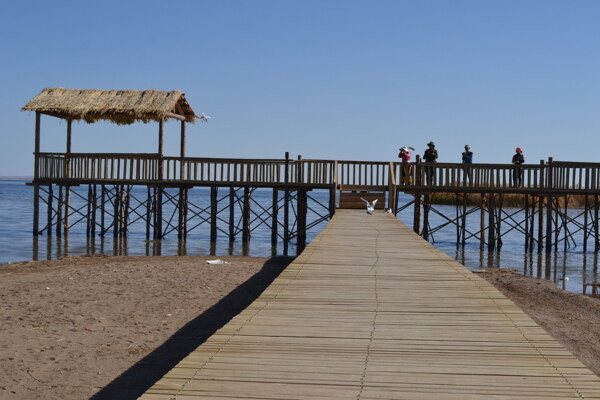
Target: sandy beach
{"x": 109, "y": 327}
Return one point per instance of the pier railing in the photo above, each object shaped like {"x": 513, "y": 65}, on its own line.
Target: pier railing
{"x": 151, "y": 168}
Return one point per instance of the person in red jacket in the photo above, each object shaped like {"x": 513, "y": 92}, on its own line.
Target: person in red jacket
{"x": 406, "y": 171}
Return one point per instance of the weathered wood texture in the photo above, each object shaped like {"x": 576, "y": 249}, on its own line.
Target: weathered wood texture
{"x": 371, "y": 311}
{"x": 77, "y": 168}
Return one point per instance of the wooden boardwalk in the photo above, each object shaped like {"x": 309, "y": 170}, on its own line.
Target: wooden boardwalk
{"x": 370, "y": 310}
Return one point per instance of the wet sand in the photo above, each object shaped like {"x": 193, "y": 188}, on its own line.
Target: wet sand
{"x": 109, "y": 327}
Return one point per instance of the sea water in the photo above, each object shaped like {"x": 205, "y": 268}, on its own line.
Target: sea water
{"x": 570, "y": 269}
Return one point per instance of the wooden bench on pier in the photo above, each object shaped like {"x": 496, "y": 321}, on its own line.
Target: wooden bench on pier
{"x": 350, "y": 196}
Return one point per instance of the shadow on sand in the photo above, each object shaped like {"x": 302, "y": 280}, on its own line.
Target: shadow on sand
{"x": 140, "y": 377}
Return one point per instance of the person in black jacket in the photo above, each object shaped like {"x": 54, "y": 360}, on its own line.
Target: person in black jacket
{"x": 430, "y": 156}
{"x": 518, "y": 159}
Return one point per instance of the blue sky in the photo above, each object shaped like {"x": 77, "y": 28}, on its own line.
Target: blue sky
{"x": 325, "y": 79}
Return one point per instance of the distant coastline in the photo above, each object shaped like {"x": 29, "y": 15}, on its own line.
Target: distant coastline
{"x": 16, "y": 178}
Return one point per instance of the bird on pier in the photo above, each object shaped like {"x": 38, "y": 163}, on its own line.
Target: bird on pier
{"x": 388, "y": 211}
{"x": 370, "y": 205}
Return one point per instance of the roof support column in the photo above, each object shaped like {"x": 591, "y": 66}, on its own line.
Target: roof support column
{"x": 68, "y": 155}
{"x": 182, "y": 152}
{"x": 36, "y": 166}
{"x": 36, "y": 173}
{"x": 160, "y": 150}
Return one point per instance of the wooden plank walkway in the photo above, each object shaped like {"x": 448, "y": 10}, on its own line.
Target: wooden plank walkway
{"x": 372, "y": 311}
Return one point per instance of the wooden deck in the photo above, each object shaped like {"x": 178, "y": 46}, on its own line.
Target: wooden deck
{"x": 372, "y": 311}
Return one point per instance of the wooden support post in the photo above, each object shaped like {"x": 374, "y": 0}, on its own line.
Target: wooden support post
{"x": 566, "y": 237}
{"x": 596, "y": 240}
{"x": 458, "y": 220}
{"x": 246, "y": 216}
{"x": 274, "y": 217}
{"x": 417, "y": 209}
{"x": 36, "y": 210}
{"x": 491, "y": 222}
{"x": 59, "y": 211}
{"x": 332, "y": 200}
{"x": 498, "y": 217}
{"x": 36, "y": 172}
{"x": 464, "y": 220}
{"x": 549, "y": 201}
{"x": 158, "y": 203}
{"x": 102, "y": 209}
{"x": 302, "y": 211}
{"x": 585, "y": 223}
{"x": 527, "y": 238}
{"x": 148, "y": 212}
{"x": 88, "y": 230}
{"x": 286, "y": 204}
{"x": 160, "y": 152}
{"x": 94, "y": 209}
{"x": 231, "y": 214}
{"x": 214, "y": 205}
{"x": 482, "y": 222}
{"x": 417, "y": 214}
{"x": 36, "y": 165}
{"x": 549, "y": 223}
{"x": 116, "y": 211}
{"x": 67, "y": 209}
{"x": 333, "y": 190}
{"x": 540, "y": 224}
{"x": 426, "y": 207}
{"x": 125, "y": 198}
{"x": 50, "y": 209}
{"x": 181, "y": 215}
{"x": 182, "y": 152}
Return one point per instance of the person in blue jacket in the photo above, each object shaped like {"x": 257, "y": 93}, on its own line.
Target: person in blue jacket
{"x": 467, "y": 158}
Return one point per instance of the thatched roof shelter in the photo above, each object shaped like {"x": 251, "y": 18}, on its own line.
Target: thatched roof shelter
{"x": 119, "y": 106}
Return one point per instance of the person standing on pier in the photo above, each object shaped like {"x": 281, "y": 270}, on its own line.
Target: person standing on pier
{"x": 430, "y": 156}
{"x": 467, "y": 158}
{"x": 518, "y": 159}
{"x": 406, "y": 171}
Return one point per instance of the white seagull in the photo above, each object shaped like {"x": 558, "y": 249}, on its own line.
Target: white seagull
{"x": 203, "y": 117}
{"x": 388, "y": 211}
{"x": 370, "y": 205}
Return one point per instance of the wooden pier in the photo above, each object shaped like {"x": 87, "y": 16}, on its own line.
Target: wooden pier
{"x": 103, "y": 184}
{"x": 370, "y": 310}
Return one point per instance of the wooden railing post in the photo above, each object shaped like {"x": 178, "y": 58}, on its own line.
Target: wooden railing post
{"x": 392, "y": 188}
{"x": 333, "y": 189}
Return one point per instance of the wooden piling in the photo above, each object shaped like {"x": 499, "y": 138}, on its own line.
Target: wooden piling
{"x": 482, "y": 222}
{"x": 540, "y": 223}
{"x": 274, "y": 217}
{"x": 491, "y": 222}
{"x": 231, "y": 214}
{"x": 246, "y": 216}
{"x": 59, "y": 206}
{"x": 116, "y": 211}
{"x": 426, "y": 207}
{"x": 301, "y": 219}
{"x": 50, "y": 210}
{"x": 286, "y": 202}
{"x": 214, "y": 210}
{"x": 549, "y": 224}
{"x": 149, "y": 211}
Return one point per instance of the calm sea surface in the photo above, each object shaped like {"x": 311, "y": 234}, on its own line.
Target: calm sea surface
{"x": 569, "y": 270}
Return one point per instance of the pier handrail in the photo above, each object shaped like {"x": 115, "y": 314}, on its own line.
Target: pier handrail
{"x": 143, "y": 167}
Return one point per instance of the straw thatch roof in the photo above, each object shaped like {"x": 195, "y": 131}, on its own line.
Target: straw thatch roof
{"x": 119, "y": 106}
